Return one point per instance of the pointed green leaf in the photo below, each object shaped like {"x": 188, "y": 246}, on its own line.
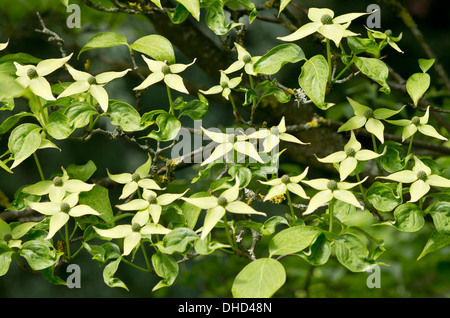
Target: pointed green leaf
{"x": 416, "y": 85}
{"x": 156, "y": 46}
{"x": 38, "y": 254}
{"x": 352, "y": 253}
{"x": 375, "y": 69}
{"x": 440, "y": 212}
{"x": 125, "y": 116}
{"x": 319, "y": 252}
{"x": 166, "y": 268}
{"x": 384, "y": 196}
{"x": 408, "y": 218}
{"x": 169, "y": 126}
{"x": 109, "y": 272}
{"x": 104, "y": 40}
{"x": 193, "y": 6}
{"x": 271, "y": 62}
{"x": 177, "y": 241}
{"x": 215, "y": 19}
{"x": 5, "y": 258}
{"x": 425, "y": 64}
{"x": 293, "y": 240}
{"x": 81, "y": 172}
{"x": 435, "y": 242}
{"x": 10, "y": 121}
{"x": 24, "y": 140}
{"x": 313, "y": 79}
{"x": 58, "y": 126}
{"x": 98, "y": 199}
{"x": 259, "y": 279}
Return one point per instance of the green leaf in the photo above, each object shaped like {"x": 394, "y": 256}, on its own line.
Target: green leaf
{"x": 125, "y": 116}
{"x": 169, "y": 126}
{"x": 271, "y": 62}
{"x": 343, "y": 210}
{"x": 104, "y": 40}
{"x": 103, "y": 253}
{"x": 109, "y": 272}
{"x": 374, "y": 69}
{"x": 58, "y": 126}
{"x": 392, "y": 161}
{"x": 408, "y": 218}
{"x": 156, "y": 46}
{"x": 243, "y": 173}
{"x": 293, "y": 240}
{"x": 259, "y": 279}
{"x": 79, "y": 114}
{"x": 179, "y": 15}
{"x": 9, "y": 87}
{"x": 384, "y": 196}
{"x": 81, "y": 172}
{"x": 195, "y": 109}
{"x": 24, "y": 140}
{"x": 360, "y": 45}
{"x": 166, "y": 268}
{"x": 192, "y": 212}
{"x": 98, "y": 199}
{"x": 425, "y": 64}
{"x": 352, "y": 253}
{"x": 271, "y": 223}
{"x": 416, "y": 85}
{"x": 283, "y": 4}
{"x": 5, "y": 258}
{"x": 435, "y": 242}
{"x": 193, "y": 6}
{"x": 10, "y": 121}
{"x": 38, "y": 254}
{"x": 205, "y": 246}
{"x": 440, "y": 212}
{"x": 215, "y": 19}
{"x": 49, "y": 274}
{"x": 319, "y": 252}
{"x": 177, "y": 241}
{"x": 313, "y": 79}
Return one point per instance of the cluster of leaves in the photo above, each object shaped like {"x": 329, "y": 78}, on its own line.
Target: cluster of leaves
{"x": 80, "y": 211}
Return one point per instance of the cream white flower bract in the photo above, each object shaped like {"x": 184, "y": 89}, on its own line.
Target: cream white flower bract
{"x": 244, "y": 61}
{"x": 370, "y": 119}
{"x": 329, "y": 189}
{"x": 162, "y": 71}
{"x": 134, "y": 180}
{"x": 279, "y": 186}
{"x": 4, "y": 45}
{"x": 410, "y": 127}
{"x": 58, "y": 187}
{"x": 132, "y": 233}
{"x": 217, "y": 206}
{"x": 274, "y": 135}
{"x": 349, "y": 157}
{"x": 85, "y": 82}
{"x": 225, "y": 86}
{"x": 33, "y": 76}
{"x": 228, "y": 143}
{"x": 421, "y": 179}
{"x": 150, "y": 205}
{"x": 61, "y": 210}
{"x": 11, "y": 235}
{"x": 324, "y": 22}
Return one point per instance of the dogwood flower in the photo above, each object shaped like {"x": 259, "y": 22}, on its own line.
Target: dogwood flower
{"x": 349, "y": 157}
{"x": 228, "y": 142}
{"x": 370, "y": 119}
{"x": 33, "y": 76}
{"x": 162, "y": 71}
{"x": 135, "y": 180}
{"x": 279, "y": 186}
{"x": 225, "y": 87}
{"x": 85, "y": 82}
{"x": 274, "y": 135}
{"x": 61, "y": 210}
{"x": 150, "y": 205}
{"x": 58, "y": 187}
{"x": 329, "y": 189}
{"x": 11, "y": 235}
{"x": 420, "y": 178}
{"x": 323, "y": 21}
{"x": 410, "y": 127}
{"x": 244, "y": 61}
{"x": 217, "y": 206}
{"x": 132, "y": 233}
{"x": 386, "y": 37}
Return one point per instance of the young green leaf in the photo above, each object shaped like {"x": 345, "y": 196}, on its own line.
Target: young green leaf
{"x": 374, "y": 69}
{"x": 440, "y": 212}
{"x": 156, "y": 46}
{"x": 104, "y": 40}
{"x": 109, "y": 272}
{"x": 166, "y": 268}
{"x": 293, "y": 240}
{"x": 125, "y": 116}
{"x": 169, "y": 126}
{"x": 259, "y": 279}
{"x": 271, "y": 62}
{"x": 313, "y": 79}
{"x": 435, "y": 242}
{"x": 416, "y": 85}
{"x": 193, "y": 6}
{"x": 352, "y": 253}
{"x": 39, "y": 254}
{"x": 24, "y": 140}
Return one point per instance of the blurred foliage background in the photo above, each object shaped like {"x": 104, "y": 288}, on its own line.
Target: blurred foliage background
{"x": 212, "y": 276}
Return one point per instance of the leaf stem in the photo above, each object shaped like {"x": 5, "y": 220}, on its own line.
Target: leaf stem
{"x": 38, "y": 166}
{"x": 377, "y": 160}
{"x": 343, "y": 70}
{"x": 66, "y": 229}
{"x": 169, "y": 96}
{"x": 235, "y": 112}
{"x": 331, "y": 212}
{"x": 134, "y": 265}
{"x": 288, "y": 196}
{"x": 227, "y": 232}
{"x": 363, "y": 193}
{"x": 149, "y": 268}
{"x": 328, "y": 59}
{"x": 410, "y": 145}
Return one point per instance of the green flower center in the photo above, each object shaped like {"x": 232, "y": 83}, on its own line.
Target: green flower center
{"x": 415, "y": 120}
{"x": 222, "y": 201}
{"x": 165, "y": 69}
{"x": 151, "y": 198}
{"x": 388, "y": 32}
{"x": 368, "y": 113}
{"x": 32, "y": 73}
{"x": 285, "y": 179}
{"x": 422, "y": 175}
{"x": 135, "y": 177}
{"x": 247, "y": 59}
{"x": 91, "y": 80}
{"x": 332, "y": 185}
{"x": 57, "y": 182}
{"x": 350, "y": 152}
{"x": 65, "y": 207}
{"x": 274, "y": 130}
{"x": 224, "y": 84}
{"x": 326, "y": 19}
{"x": 135, "y": 227}
{"x": 7, "y": 237}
